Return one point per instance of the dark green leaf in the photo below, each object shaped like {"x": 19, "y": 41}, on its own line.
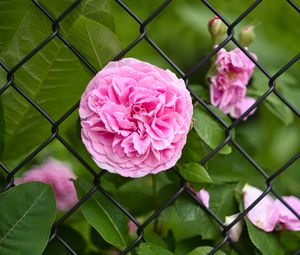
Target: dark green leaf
{"x": 267, "y": 243}
{"x": 222, "y": 203}
{"x": 151, "y": 249}
{"x": 193, "y": 151}
{"x": 201, "y": 91}
{"x": 94, "y": 41}
{"x": 104, "y": 216}
{"x": 97, "y": 10}
{"x": 204, "y": 251}
{"x": 27, "y": 214}
{"x": 54, "y": 78}
{"x": 210, "y": 131}
{"x": 190, "y": 211}
{"x": 194, "y": 172}
{"x": 71, "y": 237}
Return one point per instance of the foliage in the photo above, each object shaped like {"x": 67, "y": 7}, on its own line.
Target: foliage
{"x": 55, "y": 79}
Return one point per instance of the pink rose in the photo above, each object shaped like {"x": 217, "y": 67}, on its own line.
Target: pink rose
{"x": 229, "y": 83}
{"x": 288, "y": 219}
{"x": 135, "y": 118}
{"x": 263, "y": 215}
{"x": 59, "y": 176}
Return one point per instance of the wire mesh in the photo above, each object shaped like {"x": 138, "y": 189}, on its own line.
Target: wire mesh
{"x": 182, "y": 185}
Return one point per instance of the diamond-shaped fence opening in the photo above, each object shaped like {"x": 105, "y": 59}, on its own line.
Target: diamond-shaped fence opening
{"x": 55, "y": 35}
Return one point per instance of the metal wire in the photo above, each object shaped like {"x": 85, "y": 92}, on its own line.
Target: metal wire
{"x": 182, "y": 187}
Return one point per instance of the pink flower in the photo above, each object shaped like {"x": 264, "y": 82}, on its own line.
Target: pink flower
{"x": 59, "y": 176}
{"x": 135, "y": 118}
{"x": 242, "y": 106}
{"x": 203, "y": 196}
{"x": 263, "y": 215}
{"x": 229, "y": 83}
{"x": 287, "y": 219}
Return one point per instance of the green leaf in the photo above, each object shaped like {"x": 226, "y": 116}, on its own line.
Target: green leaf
{"x": 27, "y": 214}
{"x": 194, "y": 172}
{"x": 222, "y": 203}
{"x": 201, "y": 90}
{"x": 2, "y": 130}
{"x": 204, "y": 251}
{"x": 151, "y": 249}
{"x": 210, "y": 131}
{"x": 104, "y": 216}
{"x": 71, "y": 237}
{"x": 279, "y": 109}
{"x": 54, "y": 77}
{"x": 267, "y": 243}
{"x": 94, "y": 41}
{"x": 193, "y": 150}
{"x": 97, "y": 10}
{"x": 190, "y": 211}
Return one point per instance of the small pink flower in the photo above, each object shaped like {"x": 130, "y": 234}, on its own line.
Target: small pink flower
{"x": 203, "y": 196}
{"x": 287, "y": 219}
{"x": 264, "y": 215}
{"x": 59, "y": 176}
{"x": 229, "y": 83}
{"x": 135, "y": 118}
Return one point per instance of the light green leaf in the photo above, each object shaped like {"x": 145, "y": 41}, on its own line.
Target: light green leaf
{"x": 54, "y": 78}
{"x": 27, "y": 214}
{"x": 194, "y": 172}
{"x": 210, "y": 131}
{"x": 94, "y": 41}
{"x": 204, "y": 251}
{"x": 151, "y": 249}
{"x": 104, "y": 216}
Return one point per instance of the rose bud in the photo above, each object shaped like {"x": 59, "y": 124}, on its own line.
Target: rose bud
{"x": 135, "y": 118}
{"x": 247, "y": 36}
{"x": 217, "y": 29}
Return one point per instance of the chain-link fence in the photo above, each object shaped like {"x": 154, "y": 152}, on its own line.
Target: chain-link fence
{"x": 144, "y": 36}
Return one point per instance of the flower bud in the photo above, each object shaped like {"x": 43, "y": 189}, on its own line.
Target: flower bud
{"x": 236, "y": 230}
{"x": 247, "y": 35}
{"x": 217, "y": 29}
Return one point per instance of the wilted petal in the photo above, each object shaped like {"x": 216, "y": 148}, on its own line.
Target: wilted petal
{"x": 287, "y": 218}
{"x": 236, "y": 230}
{"x": 203, "y": 195}
{"x": 264, "y": 215}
